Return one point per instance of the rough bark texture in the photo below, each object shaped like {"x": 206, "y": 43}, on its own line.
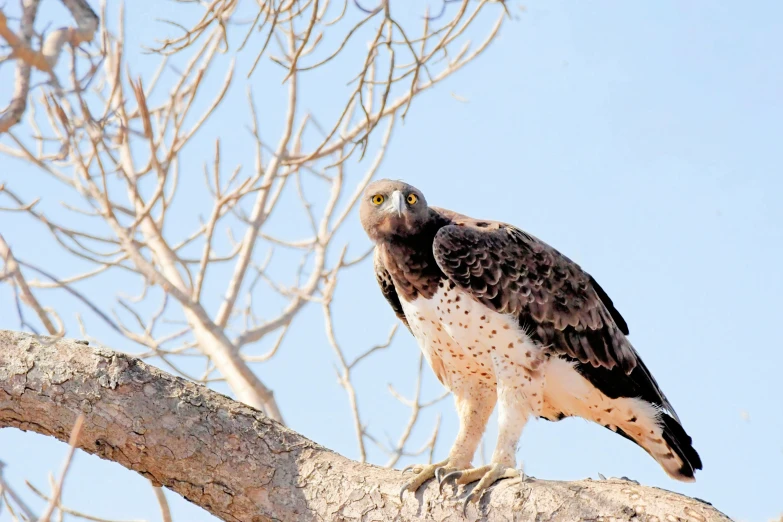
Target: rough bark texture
{"x": 241, "y": 465}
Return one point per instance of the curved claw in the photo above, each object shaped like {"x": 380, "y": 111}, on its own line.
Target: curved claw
{"x": 409, "y": 467}
{"x": 448, "y": 478}
{"x": 438, "y": 472}
{"x": 422, "y": 474}
{"x": 470, "y": 498}
{"x": 486, "y": 475}
{"x": 402, "y": 491}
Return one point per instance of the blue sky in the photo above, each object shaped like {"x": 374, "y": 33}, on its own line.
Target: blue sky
{"x": 640, "y": 139}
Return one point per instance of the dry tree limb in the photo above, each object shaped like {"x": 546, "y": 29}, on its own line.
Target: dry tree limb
{"x": 12, "y": 270}
{"x": 160, "y": 496}
{"x": 9, "y": 495}
{"x": 241, "y": 465}
{"x": 13, "y": 114}
{"x": 46, "y": 58}
{"x": 416, "y": 405}
{"x": 73, "y": 442}
{"x": 68, "y": 511}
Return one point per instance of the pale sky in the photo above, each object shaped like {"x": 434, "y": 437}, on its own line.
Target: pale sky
{"x": 641, "y": 139}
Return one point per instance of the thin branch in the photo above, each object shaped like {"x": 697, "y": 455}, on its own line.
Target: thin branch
{"x": 73, "y": 443}
{"x": 27, "y": 296}
{"x": 160, "y": 496}
{"x": 8, "y": 492}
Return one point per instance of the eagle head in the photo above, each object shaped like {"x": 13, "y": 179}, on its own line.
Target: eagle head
{"x": 392, "y": 208}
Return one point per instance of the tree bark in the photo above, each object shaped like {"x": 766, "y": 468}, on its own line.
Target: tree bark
{"x": 238, "y": 464}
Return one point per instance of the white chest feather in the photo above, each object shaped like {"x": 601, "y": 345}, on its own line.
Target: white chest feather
{"x": 468, "y": 344}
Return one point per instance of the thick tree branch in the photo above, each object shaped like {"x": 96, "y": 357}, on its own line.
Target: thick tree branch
{"x": 241, "y": 465}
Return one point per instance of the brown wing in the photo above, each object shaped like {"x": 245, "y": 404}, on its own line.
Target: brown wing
{"x": 512, "y": 272}
{"x": 387, "y": 288}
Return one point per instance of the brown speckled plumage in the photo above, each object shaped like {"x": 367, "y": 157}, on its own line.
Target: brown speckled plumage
{"x": 512, "y": 272}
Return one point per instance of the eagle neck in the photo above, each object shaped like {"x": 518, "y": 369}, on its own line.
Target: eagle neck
{"x": 411, "y": 263}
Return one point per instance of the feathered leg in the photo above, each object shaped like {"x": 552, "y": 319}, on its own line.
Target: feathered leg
{"x": 516, "y": 403}
{"x": 474, "y": 406}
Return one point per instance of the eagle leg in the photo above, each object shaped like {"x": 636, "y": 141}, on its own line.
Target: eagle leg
{"x": 519, "y": 395}
{"x": 474, "y": 408}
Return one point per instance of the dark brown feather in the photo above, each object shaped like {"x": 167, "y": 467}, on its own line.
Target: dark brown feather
{"x": 387, "y": 288}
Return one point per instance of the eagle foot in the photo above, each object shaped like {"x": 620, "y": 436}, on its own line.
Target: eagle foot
{"x": 422, "y": 473}
{"x": 486, "y": 475}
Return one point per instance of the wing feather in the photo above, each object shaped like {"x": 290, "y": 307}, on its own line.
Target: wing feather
{"x": 387, "y": 288}
{"x": 513, "y": 272}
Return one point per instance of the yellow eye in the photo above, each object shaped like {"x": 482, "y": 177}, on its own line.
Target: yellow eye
{"x": 412, "y": 199}
{"x": 377, "y": 199}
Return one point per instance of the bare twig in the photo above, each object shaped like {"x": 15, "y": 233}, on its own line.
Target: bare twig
{"x": 160, "y": 496}
{"x": 46, "y": 58}
{"x": 73, "y": 442}
{"x": 12, "y": 269}
{"x": 9, "y": 493}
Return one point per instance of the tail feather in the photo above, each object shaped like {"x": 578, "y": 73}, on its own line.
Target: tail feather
{"x": 663, "y": 438}
{"x": 682, "y": 444}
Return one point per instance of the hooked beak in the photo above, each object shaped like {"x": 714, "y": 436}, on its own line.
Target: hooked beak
{"x": 397, "y": 202}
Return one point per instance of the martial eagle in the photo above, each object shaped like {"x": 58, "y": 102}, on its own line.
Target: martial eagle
{"x": 504, "y": 318}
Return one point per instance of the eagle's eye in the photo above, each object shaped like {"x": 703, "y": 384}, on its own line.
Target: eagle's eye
{"x": 377, "y": 199}
{"x": 412, "y": 199}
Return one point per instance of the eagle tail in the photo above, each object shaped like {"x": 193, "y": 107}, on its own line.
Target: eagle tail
{"x": 570, "y": 390}
{"x": 679, "y": 443}
{"x": 660, "y": 435}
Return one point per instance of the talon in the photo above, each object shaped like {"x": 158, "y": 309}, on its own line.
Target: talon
{"x": 447, "y": 478}
{"x": 422, "y": 474}
{"x": 470, "y": 498}
{"x": 409, "y": 467}
{"x": 438, "y": 472}
{"x": 486, "y": 475}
